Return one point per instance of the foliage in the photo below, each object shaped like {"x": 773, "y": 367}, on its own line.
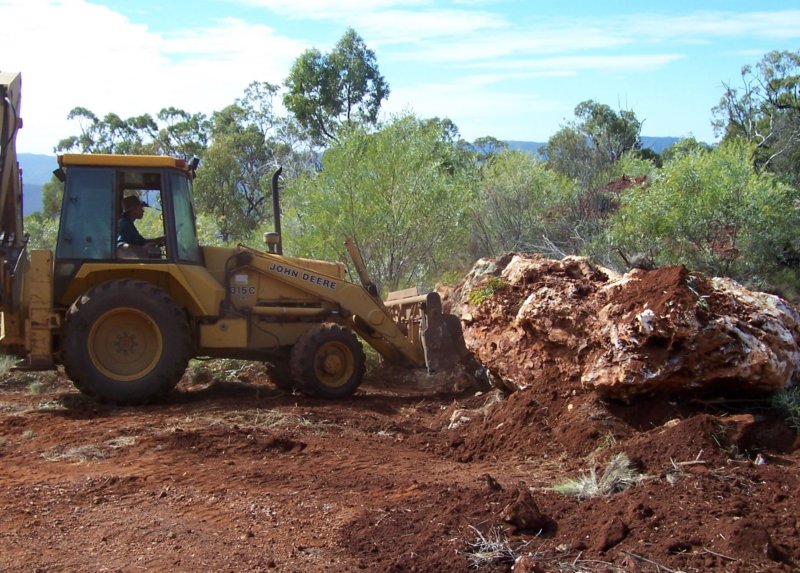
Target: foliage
{"x": 401, "y": 194}
{"x": 593, "y": 142}
{"x": 234, "y": 185}
{"x": 611, "y": 133}
{"x": 52, "y": 192}
{"x": 765, "y": 110}
{"x": 42, "y": 231}
{"x": 181, "y": 134}
{"x": 487, "y": 148}
{"x": 682, "y": 147}
{"x": 618, "y": 475}
{"x": 524, "y": 206}
{"x": 787, "y": 403}
{"x": 712, "y": 212}
{"x": 328, "y": 92}
{"x": 486, "y": 290}
{"x": 569, "y": 153}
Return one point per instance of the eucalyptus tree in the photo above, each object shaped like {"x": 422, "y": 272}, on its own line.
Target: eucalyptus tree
{"x": 329, "y": 92}
{"x": 765, "y": 110}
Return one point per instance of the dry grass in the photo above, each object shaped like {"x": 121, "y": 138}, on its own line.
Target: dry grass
{"x": 78, "y": 454}
{"x": 490, "y": 549}
{"x": 618, "y": 475}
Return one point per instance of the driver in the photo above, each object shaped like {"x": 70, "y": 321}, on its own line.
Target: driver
{"x": 127, "y": 233}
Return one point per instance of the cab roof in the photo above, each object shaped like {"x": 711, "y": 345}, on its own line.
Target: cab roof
{"x": 107, "y": 160}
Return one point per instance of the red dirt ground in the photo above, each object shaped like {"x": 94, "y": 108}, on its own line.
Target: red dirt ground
{"x": 238, "y": 476}
{"x": 241, "y": 477}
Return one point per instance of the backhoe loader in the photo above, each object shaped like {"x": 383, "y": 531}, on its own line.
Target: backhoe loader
{"x": 125, "y": 322}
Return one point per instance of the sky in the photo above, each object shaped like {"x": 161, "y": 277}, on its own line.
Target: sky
{"x": 514, "y": 70}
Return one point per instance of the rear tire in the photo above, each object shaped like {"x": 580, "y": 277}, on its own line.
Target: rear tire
{"x": 328, "y": 361}
{"x": 126, "y": 342}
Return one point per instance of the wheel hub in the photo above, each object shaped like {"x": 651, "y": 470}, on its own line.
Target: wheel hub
{"x": 125, "y": 344}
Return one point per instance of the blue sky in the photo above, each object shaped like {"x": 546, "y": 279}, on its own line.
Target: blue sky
{"x": 514, "y": 70}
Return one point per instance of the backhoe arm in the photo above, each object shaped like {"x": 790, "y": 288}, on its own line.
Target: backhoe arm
{"x": 12, "y": 239}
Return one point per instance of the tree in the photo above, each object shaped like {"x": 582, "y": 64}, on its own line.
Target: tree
{"x": 524, "y": 206}
{"x": 569, "y": 153}
{"x": 182, "y": 135}
{"x": 234, "y": 183}
{"x": 398, "y": 193}
{"x": 711, "y": 211}
{"x": 611, "y": 133}
{"x": 112, "y": 134}
{"x": 593, "y": 142}
{"x": 488, "y": 147}
{"x": 765, "y": 110}
{"x": 327, "y": 92}
{"x": 682, "y": 147}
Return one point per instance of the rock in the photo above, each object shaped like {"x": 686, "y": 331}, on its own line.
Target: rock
{"x": 612, "y": 534}
{"x": 523, "y": 515}
{"x": 527, "y": 564}
{"x": 660, "y": 331}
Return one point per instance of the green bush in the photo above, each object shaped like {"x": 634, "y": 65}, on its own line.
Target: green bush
{"x": 486, "y": 291}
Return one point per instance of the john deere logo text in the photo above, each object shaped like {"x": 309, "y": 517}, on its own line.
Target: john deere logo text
{"x": 305, "y": 276}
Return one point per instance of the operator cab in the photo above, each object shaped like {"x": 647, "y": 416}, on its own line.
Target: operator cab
{"x": 96, "y": 188}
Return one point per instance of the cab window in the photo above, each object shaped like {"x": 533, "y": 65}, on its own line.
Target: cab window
{"x": 185, "y": 228}
{"x": 85, "y": 230}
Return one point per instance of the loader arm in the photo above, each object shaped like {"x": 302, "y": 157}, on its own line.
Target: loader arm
{"x": 365, "y": 314}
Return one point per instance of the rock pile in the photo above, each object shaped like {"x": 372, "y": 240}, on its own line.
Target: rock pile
{"x": 660, "y": 331}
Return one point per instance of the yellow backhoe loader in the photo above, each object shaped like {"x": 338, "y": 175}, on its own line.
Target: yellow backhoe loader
{"x": 125, "y": 321}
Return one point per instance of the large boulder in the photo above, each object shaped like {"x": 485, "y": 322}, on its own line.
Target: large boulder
{"x": 649, "y": 331}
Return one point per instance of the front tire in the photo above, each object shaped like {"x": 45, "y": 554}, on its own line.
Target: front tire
{"x": 328, "y": 361}
{"x": 126, "y": 342}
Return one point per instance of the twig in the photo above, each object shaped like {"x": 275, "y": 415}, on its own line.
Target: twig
{"x": 720, "y": 555}
{"x": 659, "y": 567}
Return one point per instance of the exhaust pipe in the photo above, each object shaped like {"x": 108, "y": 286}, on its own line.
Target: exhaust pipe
{"x": 276, "y": 209}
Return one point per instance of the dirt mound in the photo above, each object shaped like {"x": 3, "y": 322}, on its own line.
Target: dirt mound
{"x": 595, "y": 364}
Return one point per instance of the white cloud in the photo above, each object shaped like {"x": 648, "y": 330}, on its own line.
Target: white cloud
{"x": 78, "y": 53}
{"x": 82, "y": 54}
{"x": 478, "y": 108}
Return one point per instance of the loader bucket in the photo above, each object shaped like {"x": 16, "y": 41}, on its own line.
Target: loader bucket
{"x": 442, "y": 336}
{"x": 438, "y": 335}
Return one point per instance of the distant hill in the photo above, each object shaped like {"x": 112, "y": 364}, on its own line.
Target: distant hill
{"x": 36, "y": 171}
{"x": 657, "y": 144}
{"x": 31, "y": 198}
{"x": 529, "y": 146}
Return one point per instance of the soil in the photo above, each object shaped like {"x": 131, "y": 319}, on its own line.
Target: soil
{"x": 237, "y": 475}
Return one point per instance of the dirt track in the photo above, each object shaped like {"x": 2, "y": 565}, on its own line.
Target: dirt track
{"x": 242, "y": 477}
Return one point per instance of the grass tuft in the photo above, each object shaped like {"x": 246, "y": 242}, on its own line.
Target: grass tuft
{"x": 490, "y": 549}
{"x": 618, "y": 476}
{"x": 787, "y": 402}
